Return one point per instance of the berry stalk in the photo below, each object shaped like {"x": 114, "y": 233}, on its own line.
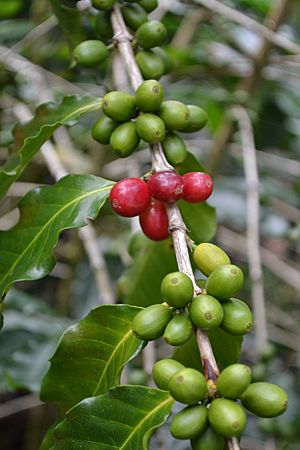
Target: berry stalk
{"x": 176, "y": 225}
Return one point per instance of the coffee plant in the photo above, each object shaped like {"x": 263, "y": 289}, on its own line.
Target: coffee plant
{"x": 201, "y": 321}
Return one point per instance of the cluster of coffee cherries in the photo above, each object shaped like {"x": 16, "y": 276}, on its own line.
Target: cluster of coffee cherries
{"x": 180, "y": 312}
{"x": 215, "y": 411}
{"x": 146, "y": 35}
{"x": 135, "y": 197}
{"x": 127, "y": 119}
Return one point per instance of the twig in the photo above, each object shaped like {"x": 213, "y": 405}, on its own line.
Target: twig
{"x": 36, "y": 33}
{"x": 188, "y": 27}
{"x": 284, "y": 271}
{"x": 19, "y": 404}
{"x": 253, "y": 250}
{"x": 233, "y": 444}
{"x": 176, "y": 224}
{"x": 273, "y": 20}
{"x": 240, "y": 18}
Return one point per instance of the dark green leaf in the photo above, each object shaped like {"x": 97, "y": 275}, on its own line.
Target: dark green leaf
{"x": 30, "y": 137}
{"x": 141, "y": 283}
{"x": 27, "y": 248}
{"x": 191, "y": 164}
{"x": 122, "y": 419}
{"x": 70, "y": 20}
{"x": 91, "y": 355}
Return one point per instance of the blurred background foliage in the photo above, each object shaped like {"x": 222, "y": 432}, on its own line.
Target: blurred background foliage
{"x": 214, "y": 62}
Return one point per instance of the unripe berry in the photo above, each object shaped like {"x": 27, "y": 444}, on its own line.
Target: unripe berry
{"x": 149, "y": 96}
{"x": 103, "y": 4}
{"x": 103, "y": 128}
{"x": 134, "y": 15}
{"x": 206, "y": 311}
{"x": 188, "y": 386}
{"x": 225, "y": 281}
{"x": 198, "y": 119}
{"x": 178, "y": 330}
{"x": 175, "y": 115}
{"x": 150, "y": 323}
{"x": 197, "y": 187}
{"x": 177, "y": 289}
{"x": 90, "y": 53}
{"x": 163, "y": 371}
{"x": 234, "y": 380}
{"x": 190, "y": 422}
{"x": 151, "y": 34}
{"x": 149, "y": 5}
{"x": 209, "y": 256}
{"x": 150, "y": 128}
{"x": 154, "y": 221}
{"x": 119, "y": 106}
{"x": 169, "y": 62}
{"x": 237, "y": 319}
{"x": 103, "y": 25}
{"x": 174, "y": 148}
{"x": 129, "y": 197}
{"x": 166, "y": 186}
{"x": 265, "y": 399}
{"x": 150, "y": 64}
{"x": 124, "y": 139}
{"x": 227, "y": 417}
{"x": 209, "y": 440}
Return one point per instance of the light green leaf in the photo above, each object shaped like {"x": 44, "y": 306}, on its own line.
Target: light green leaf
{"x": 122, "y": 419}
{"x": 70, "y": 21}
{"x": 90, "y": 356}
{"x": 30, "y": 137}
{"x": 27, "y": 248}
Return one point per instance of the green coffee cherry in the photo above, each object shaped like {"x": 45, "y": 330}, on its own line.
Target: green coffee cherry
{"x": 163, "y": 371}
{"x": 175, "y": 115}
{"x": 209, "y": 256}
{"x": 206, "y": 311}
{"x": 149, "y": 96}
{"x": 227, "y": 417}
{"x": 178, "y": 330}
{"x": 189, "y": 422}
{"x": 137, "y": 376}
{"x": 234, "y": 380}
{"x": 134, "y": 15}
{"x": 103, "y": 4}
{"x": 150, "y": 323}
{"x": 150, "y": 128}
{"x": 201, "y": 283}
{"x": 151, "y": 34}
{"x": 225, "y": 281}
{"x": 237, "y": 319}
{"x": 103, "y": 128}
{"x": 124, "y": 139}
{"x": 174, "y": 148}
{"x": 103, "y": 25}
{"x": 149, "y": 5}
{"x": 265, "y": 399}
{"x": 188, "y": 386}
{"x": 169, "y": 62}
{"x": 209, "y": 440}
{"x": 150, "y": 64}
{"x": 119, "y": 106}
{"x": 198, "y": 119}
{"x": 177, "y": 289}
{"x": 90, "y": 53}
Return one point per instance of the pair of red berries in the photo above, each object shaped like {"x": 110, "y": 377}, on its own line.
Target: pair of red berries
{"x": 134, "y": 197}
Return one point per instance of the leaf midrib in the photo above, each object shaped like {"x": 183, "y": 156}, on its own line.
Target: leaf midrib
{"x": 12, "y": 267}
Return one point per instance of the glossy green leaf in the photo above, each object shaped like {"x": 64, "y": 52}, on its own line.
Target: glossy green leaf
{"x": 90, "y": 356}
{"x": 122, "y": 419}
{"x": 27, "y": 248}
{"x": 226, "y": 348}
{"x": 141, "y": 283}
{"x": 70, "y": 21}
{"x": 30, "y": 137}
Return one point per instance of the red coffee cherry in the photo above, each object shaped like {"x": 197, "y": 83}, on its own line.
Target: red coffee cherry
{"x": 129, "y": 197}
{"x": 166, "y": 186}
{"x": 197, "y": 186}
{"x": 154, "y": 221}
